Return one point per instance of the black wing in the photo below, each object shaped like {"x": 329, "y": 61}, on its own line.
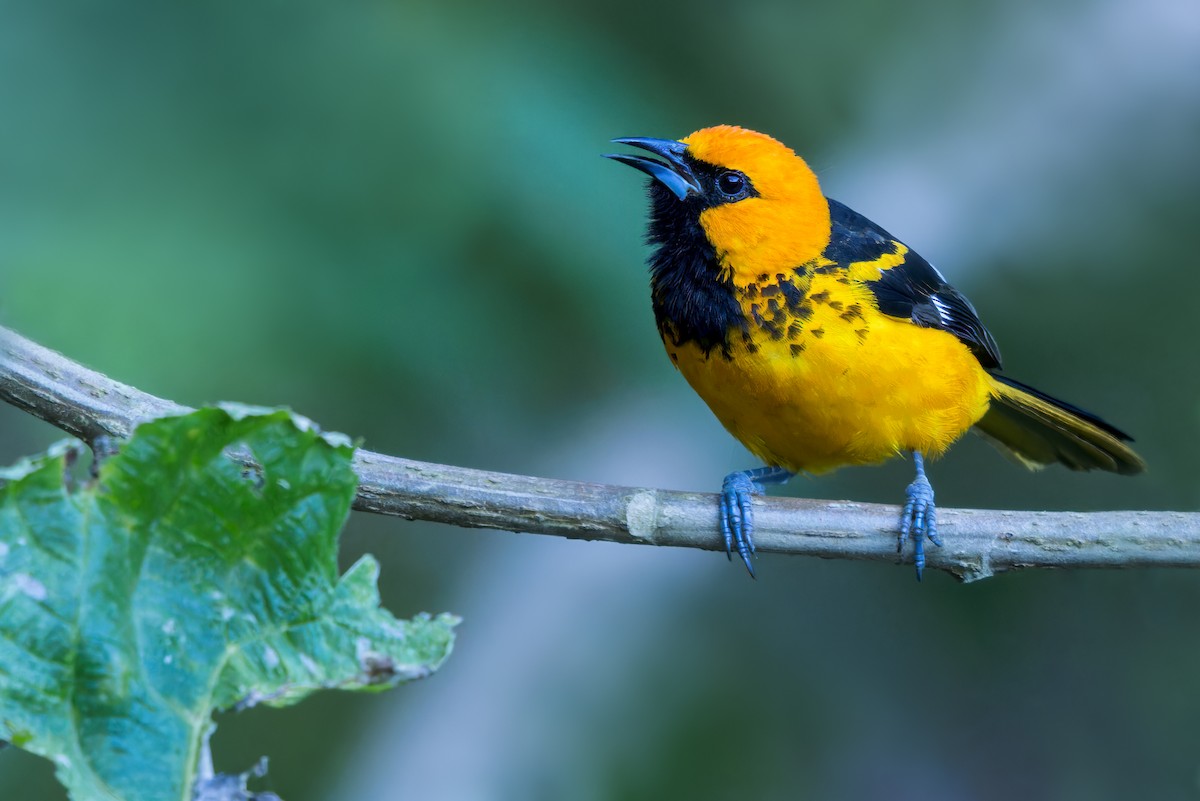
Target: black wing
{"x": 913, "y": 289}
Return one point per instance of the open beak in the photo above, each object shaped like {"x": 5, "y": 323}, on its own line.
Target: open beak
{"x": 675, "y": 174}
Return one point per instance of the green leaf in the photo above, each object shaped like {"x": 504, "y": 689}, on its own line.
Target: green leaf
{"x": 182, "y": 581}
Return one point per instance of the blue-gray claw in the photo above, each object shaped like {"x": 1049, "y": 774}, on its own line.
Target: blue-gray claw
{"x": 919, "y": 517}
{"x": 737, "y": 513}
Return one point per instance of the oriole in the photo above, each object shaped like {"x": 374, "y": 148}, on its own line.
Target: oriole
{"x": 820, "y": 340}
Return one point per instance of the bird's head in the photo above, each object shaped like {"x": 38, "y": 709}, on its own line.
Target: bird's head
{"x": 757, "y": 203}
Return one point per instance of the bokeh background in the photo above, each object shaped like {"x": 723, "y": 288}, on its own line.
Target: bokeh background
{"x": 393, "y": 217}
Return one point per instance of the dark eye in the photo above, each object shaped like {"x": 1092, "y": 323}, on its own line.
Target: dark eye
{"x": 731, "y": 184}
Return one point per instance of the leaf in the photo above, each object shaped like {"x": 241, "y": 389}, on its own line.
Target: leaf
{"x": 182, "y": 581}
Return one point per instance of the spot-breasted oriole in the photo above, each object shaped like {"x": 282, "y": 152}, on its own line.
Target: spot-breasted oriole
{"x": 820, "y": 340}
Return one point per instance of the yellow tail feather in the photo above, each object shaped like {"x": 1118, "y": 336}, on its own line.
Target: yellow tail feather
{"x": 1040, "y": 430}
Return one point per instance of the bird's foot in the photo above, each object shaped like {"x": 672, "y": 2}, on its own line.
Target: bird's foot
{"x": 737, "y": 513}
{"x": 919, "y": 517}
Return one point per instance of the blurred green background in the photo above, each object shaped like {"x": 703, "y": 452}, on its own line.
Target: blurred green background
{"x": 393, "y": 217}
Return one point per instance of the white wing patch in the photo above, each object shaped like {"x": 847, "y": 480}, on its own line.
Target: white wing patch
{"x": 942, "y": 309}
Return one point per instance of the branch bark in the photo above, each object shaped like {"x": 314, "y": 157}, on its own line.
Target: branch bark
{"x": 979, "y": 543}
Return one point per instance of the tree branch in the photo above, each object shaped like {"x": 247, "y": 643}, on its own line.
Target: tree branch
{"x": 979, "y": 543}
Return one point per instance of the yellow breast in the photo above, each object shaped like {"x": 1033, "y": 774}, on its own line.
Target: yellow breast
{"x": 828, "y": 380}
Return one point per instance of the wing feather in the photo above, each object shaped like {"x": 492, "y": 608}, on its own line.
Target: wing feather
{"x": 913, "y": 289}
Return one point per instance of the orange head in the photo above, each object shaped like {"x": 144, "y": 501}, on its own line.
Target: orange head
{"x": 757, "y": 203}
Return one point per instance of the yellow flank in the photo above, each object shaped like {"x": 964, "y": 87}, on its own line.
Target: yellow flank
{"x": 846, "y": 385}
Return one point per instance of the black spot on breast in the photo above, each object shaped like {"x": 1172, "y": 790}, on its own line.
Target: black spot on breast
{"x": 862, "y": 333}
{"x": 794, "y": 330}
{"x": 797, "y": 349}
{"x": 818, "y": 332}
{"x": 836, "y": 305}
{"x": 771, "y": 290}
{"x": 792, "y": 296}
{"x": 854, "y": 311}
{"x": 820, "y": 297}
{"x": 772, "y": 327}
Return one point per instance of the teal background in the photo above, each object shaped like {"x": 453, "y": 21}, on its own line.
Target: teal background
{"x": 393, "y": 217}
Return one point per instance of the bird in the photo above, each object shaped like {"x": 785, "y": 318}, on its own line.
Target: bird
{"x": 819, "y": 340}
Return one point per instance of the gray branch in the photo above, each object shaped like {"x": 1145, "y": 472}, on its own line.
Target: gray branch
{"x": 979, "y": 543}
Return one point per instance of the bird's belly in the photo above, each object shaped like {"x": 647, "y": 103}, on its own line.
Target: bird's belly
{"x": 820, "y": 401}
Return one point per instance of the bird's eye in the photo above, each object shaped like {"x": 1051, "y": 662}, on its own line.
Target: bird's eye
{"x": 731, "y": 184}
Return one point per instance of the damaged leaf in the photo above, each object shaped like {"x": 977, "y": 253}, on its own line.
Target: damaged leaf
{"x": 179, "y": 582}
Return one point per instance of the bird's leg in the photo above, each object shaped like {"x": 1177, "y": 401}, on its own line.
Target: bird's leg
{"x": 919, "y": 516}
{"x": 737, "y": 515}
